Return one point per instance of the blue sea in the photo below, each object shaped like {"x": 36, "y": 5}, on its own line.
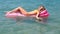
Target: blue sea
{"x": 30, "y": 26}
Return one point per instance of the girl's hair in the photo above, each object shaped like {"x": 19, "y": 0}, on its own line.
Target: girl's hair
{"x": 42, "y": 7}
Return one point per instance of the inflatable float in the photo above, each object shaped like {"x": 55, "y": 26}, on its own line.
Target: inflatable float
{"x": 16, "y": 14}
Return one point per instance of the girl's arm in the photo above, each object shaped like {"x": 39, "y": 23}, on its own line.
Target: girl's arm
{"x": 37, "y": 16}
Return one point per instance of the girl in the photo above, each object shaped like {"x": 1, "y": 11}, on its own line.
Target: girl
{"x": 41, "y": 13}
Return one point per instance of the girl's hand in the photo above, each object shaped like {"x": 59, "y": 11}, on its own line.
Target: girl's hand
{"x": 37, "y": 17}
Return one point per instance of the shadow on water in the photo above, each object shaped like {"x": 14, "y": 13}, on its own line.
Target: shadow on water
{"x": 30, "y": 20}
{"x": 25, "y": 19}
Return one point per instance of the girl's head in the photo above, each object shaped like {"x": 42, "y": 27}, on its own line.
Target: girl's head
{"x": 41, "y": 8}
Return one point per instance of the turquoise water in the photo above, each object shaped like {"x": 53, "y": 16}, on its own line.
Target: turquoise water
{"x": 10, "y": 26}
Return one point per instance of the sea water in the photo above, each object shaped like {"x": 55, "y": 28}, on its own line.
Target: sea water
{"x": 30, "y": 26}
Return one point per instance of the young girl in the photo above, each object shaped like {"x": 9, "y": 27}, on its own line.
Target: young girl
{"x": 41, "y": 13}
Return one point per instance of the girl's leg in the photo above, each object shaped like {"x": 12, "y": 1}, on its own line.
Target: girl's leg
{"x": 20, "y": 9}
{"x": 24, "y": 11}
